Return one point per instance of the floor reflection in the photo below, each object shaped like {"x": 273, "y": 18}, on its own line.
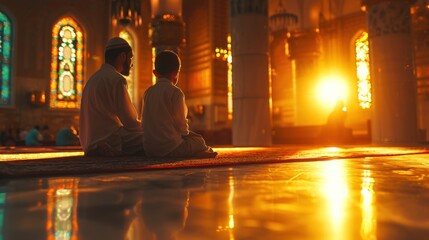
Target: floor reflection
{"x": 154, "y": 208}
{"x": 369, "y": 224}
{"x": 335, "y": 190}
{"x": 361, "y": 198}
{"x": 164, "y": 204}
{"x": 229, "y": 227}
{"x": 62, "y": 209}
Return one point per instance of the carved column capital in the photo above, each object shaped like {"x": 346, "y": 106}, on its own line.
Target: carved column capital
{"x": 303, "y": 44}
{"x": 238, "y": 7}
{"x": 366, "y": 4}
{"x": 387, "y": 17}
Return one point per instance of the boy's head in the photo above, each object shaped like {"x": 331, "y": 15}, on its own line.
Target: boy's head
{"x": 167, "y": 64}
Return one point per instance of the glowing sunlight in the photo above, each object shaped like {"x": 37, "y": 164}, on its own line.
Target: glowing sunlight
{"x": 331, "y": 89}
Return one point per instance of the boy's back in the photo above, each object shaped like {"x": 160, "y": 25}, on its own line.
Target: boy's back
{"x": 164, "y": 118}
{"x": 164, "y": 115}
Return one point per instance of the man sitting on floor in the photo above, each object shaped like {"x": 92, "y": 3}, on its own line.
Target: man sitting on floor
{"x": 34, "y": 137}
{"x": 108, "y": 119}
{"x": 67, "y": 137}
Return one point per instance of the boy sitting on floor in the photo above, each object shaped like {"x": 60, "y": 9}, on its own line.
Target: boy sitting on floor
{"x": 164, "y": 120}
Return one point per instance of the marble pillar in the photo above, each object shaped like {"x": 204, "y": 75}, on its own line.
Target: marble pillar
{"x": 304, "y": 50}
{"x": 394, "y": 108}
{"x": 251, "y": 124}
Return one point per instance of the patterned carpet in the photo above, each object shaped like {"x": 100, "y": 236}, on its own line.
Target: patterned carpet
{"x": 33, "y": 162}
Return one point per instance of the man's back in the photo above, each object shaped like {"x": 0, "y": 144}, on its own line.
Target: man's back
{"x": 108, "y": 119}
{"x": 102, "y": 110}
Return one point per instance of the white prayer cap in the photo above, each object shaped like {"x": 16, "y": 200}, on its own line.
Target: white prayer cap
{"x": 116, "y": 42}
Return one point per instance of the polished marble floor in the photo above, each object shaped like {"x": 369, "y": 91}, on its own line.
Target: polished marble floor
{"x": 382, "y": 197}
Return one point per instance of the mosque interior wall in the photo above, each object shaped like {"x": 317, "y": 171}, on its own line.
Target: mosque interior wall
{"x": 204, "y": 76}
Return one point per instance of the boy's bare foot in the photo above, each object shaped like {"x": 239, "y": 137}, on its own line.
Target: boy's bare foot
{"x": 209, "y": 153}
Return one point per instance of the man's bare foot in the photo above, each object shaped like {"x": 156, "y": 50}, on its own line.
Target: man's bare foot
{"x": 104, "y": 149}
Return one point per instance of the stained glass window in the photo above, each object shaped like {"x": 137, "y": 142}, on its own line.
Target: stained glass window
{"x": 67, "y": 64}
{"x": 5, "y": 60}
{"x": 130, "y": 78}
{"x": 362, "y": 71}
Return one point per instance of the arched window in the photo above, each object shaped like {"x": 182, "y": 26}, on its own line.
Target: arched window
{"x": 131, "y": 79}
{"x": 67, "y": 64}
{"x": 5, "y": 60}
{"x": 362, "y": 70}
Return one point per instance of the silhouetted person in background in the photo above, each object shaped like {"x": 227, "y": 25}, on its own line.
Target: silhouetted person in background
{"x": 8, "y": 138}
{"x": 67, "y": 137}
{"x": 34, "y": 137}
{"x": 335, "y": 131}
{"x": 23, "y": 134}
{"x": 47, "y": 136}
{"x": 338, "y": 115}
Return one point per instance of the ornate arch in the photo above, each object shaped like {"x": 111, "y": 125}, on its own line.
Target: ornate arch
{"x": 66, "y": 64}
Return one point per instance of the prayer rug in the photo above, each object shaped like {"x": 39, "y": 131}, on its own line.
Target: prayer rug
{"x": 70, "y": 161}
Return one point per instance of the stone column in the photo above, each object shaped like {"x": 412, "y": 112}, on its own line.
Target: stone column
{"x": 394, "y": 108}
{"x": 304, "y": 50}
{"x": 251, "y": 124}
{"x": 166, "y": 26}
